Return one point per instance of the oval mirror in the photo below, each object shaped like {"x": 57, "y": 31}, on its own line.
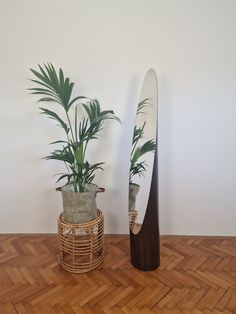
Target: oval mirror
{"x": 143, "y": 204}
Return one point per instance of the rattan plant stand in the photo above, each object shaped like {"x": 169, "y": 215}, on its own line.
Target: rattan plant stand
{"x": 81, "y": 246}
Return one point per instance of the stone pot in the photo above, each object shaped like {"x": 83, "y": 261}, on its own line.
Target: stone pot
{"x": 133, "y": 191}
{"x": 79, "y": 207}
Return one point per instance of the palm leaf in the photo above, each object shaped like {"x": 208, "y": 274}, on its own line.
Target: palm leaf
{"x": 137, "y": 152}
{"x": 66, "y": 175}
{"x": 141, "y": 105}
{"x": 96, "y": 119}
{"x": 55, "y": 85}
{"x": 64, "y": 155}
{"x": 147, "y": 147}
{"x": 53, "y": 115}
{"x": 75, "y": 99}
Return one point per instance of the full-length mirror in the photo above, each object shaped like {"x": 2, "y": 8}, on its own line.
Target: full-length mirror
{"x": 143, "y": 175}
{"x": 143, "y": 150}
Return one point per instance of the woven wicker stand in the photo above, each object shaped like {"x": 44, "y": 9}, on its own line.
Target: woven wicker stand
{"x": 81, "y": 246}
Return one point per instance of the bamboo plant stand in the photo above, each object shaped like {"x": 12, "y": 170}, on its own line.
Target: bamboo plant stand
{"x": 81, "y": 246}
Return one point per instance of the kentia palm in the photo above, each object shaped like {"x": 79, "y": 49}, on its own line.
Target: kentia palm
{"x": 139, "y": 149}
{"x": 79, "y": 173}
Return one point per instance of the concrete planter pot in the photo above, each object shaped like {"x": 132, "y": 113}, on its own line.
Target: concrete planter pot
{"x": 80, "y": 207}
{"x": 133, "y": 191}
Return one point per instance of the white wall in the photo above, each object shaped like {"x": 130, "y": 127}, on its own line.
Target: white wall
{"x": 106, "y": 47}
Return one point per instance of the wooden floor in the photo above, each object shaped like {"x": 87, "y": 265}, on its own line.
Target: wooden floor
{"x": 197, "y": 275}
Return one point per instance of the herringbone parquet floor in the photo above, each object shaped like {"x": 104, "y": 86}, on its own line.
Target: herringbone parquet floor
{"x": 197, "y": 275}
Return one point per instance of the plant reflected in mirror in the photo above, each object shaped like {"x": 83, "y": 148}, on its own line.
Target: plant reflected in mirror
{"x": 140, "y": 147}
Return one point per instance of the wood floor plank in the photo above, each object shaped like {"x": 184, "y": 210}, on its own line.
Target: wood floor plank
{"x": 197, "y": 275}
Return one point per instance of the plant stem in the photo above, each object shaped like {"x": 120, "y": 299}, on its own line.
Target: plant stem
{"x": 75, "y": 184}
{"x": 73, "y": 139}
{"x": 71, "y": 130}
{"x": 85, "y": 148}
{"x": 76, "y": 132}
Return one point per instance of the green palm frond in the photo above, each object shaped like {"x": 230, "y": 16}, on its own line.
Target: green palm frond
{"x": 138, "y": 151}
{"x": 138, "y": 134}
{"x": 64, "y": 155}
{"x": 83, "y": 129}
{"x": 96, "y": 120}
{"x": 56, "y": 87}
{"x": 54, "y": 116}
{"x": 147, "y": 147}
{"x": 90, "y": 169}
{"x": 141, "y": 105}
{"x": 65, "y": 176}
{"x": 138, "y": 168}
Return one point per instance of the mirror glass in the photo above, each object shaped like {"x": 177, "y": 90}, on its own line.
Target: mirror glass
{"x": 143, "y": 151}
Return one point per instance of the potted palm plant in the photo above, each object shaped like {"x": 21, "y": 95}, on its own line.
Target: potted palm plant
{"x": 79, "y": 192}
{"x": 138, "y": 165}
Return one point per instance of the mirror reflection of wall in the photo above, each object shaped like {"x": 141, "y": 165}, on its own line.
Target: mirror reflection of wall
{"x": 143, "y": 147}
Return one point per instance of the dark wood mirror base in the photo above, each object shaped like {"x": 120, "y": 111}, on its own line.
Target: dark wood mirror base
{"x": 145, "y": 252}
{"x": 145, "y": 245}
